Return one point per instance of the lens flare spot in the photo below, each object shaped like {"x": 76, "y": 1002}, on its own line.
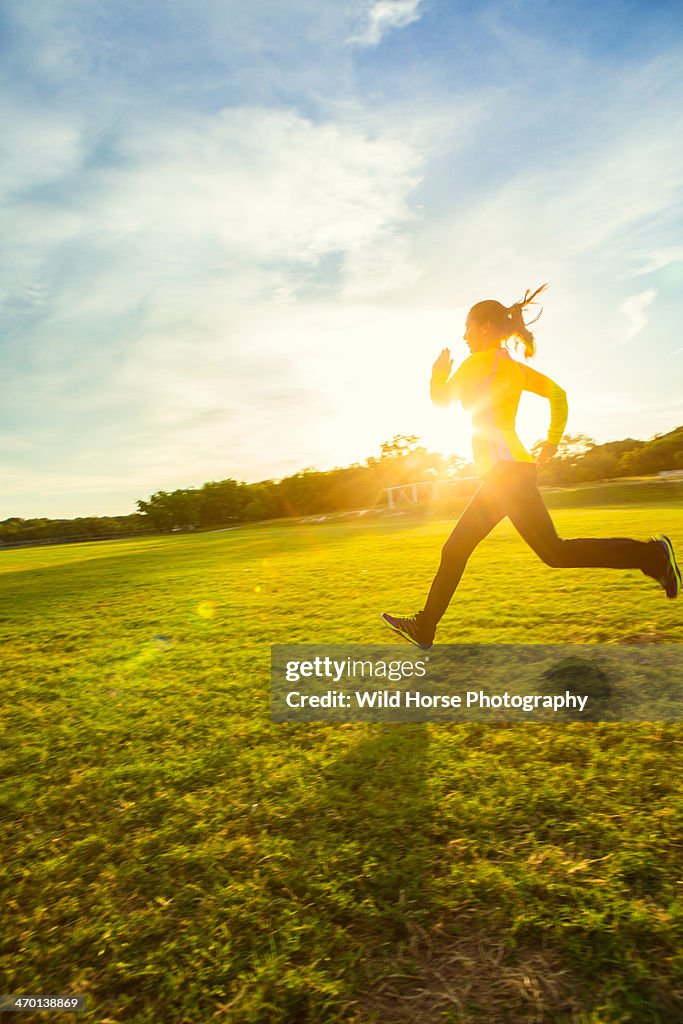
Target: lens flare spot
{"x": 206, "y": 609}
{"x": 257, "y": 590}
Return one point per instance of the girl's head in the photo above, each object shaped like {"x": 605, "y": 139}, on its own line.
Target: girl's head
{"x": 490, "y": 323}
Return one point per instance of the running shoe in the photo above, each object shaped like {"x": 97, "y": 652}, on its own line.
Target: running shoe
{"x": 670, "y": 577}
{"x": 410, "y": 629}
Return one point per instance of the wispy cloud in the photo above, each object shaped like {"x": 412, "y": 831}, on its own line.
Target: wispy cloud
{"x": 383, "y": 16}
{"x": 635, "y": 310}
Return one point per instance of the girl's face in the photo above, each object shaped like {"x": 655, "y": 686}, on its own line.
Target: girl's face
{"x": 478, "y": 336}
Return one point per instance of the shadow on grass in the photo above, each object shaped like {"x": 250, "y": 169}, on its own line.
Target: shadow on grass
{"x": 411, "y": 960}
{"x": 359, "y": 862}
{"x": 372, "y": 818}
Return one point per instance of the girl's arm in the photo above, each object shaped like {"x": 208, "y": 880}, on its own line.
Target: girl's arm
{"x": 539, "y": 384}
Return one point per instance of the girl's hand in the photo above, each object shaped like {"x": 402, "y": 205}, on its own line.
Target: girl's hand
{"x": 546, "y": 453}
{"x": 443, "y": 363}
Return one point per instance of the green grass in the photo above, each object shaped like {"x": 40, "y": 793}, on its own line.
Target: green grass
{"x": 175, "y": 856}
{"x": 645, "y": 491}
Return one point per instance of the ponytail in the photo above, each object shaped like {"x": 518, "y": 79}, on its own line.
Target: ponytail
{"x": 515, "y": 321}
{"x": 508, "y": 321}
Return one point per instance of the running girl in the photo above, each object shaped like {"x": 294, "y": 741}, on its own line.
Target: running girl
{"x": 489, "y": 384}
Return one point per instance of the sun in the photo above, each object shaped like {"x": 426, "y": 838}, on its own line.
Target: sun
{"x": 447, "y": 431}
{"x": 533, "y": 419}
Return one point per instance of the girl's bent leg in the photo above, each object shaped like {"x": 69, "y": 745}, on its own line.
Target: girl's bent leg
{"x": 528, "y": 513}
{"x": 478, "y": 519}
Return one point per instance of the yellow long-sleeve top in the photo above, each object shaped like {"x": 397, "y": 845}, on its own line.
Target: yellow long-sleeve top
{"x": 489, "y": 384}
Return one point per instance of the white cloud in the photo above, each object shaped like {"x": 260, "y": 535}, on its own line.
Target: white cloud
{"x": 158, "y": 278}
{"x": 261, "y": 184}
{"x": 196, "y": 216}
{"x": 634, "y": 309}
{"x": 223, "y": 194}
{"x": 658, "y": 259}
{"x": 384, "y": 15}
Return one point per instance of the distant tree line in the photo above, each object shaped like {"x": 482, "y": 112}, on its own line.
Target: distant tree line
{"x": 40, "y": 531}
{"x": 579, "y": 459}
{"x": 309, "y": 492}
{"x": 314, "y": 492}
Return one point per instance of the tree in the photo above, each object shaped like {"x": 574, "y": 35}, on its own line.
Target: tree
{"x": 570, "y": 452}
{"x": 399, "y": 446}
{"x": 222, "y": 501}
{"x": 571, "y": 448}
{"x": 262, "y": 503}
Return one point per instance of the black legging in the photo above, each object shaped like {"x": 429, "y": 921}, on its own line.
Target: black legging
{"x": 510, "y": 489}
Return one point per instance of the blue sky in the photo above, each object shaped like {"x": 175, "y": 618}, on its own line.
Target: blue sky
{"x": 237, "y": 236}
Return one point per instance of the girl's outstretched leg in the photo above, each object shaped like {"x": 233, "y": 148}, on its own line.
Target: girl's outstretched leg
{"x": 529, "y": 515}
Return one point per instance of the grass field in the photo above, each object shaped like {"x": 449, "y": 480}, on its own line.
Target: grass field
{"x": 176, "y": 857}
